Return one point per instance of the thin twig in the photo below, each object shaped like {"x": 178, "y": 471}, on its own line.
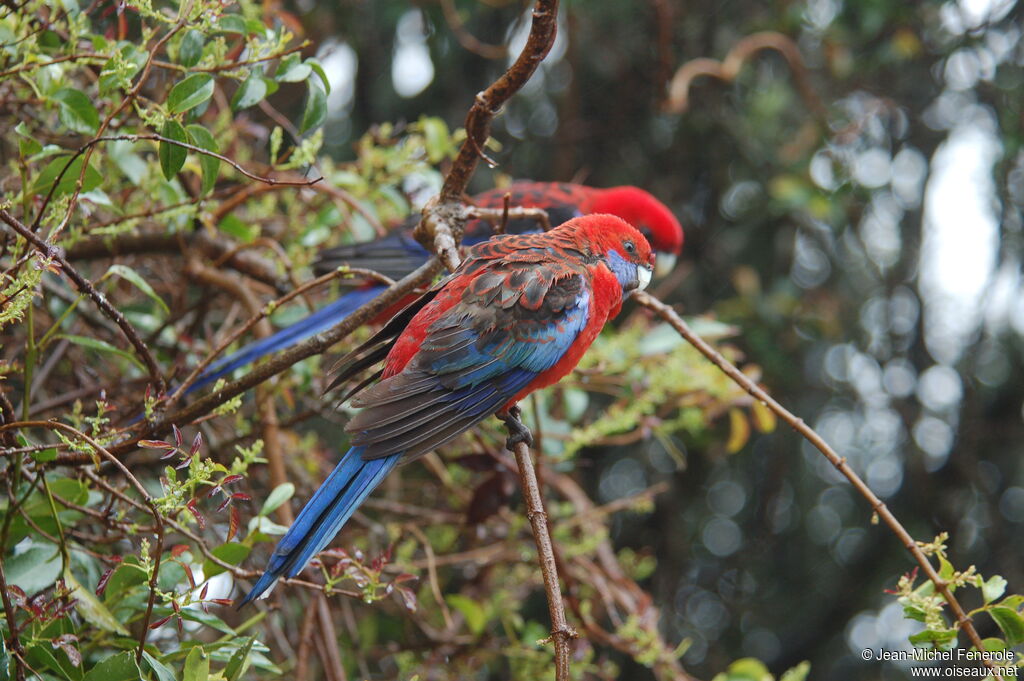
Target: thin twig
{"x": 561, "y": 632}
{"x": 500, "y": 216}
{"x": 84, "y": 286}
{"x": 467, "y": 39}
{"x": 13, "y": 641}
{"x": 877, "y": 505}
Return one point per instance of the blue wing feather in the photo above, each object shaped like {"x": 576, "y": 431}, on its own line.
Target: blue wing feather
{"x": 321, "y": 320}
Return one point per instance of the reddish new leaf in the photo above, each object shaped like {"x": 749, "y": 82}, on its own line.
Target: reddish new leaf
{"x": 191, "y": 508}
{"x": 234, "y": 520}
{"x": 155, "y": 444}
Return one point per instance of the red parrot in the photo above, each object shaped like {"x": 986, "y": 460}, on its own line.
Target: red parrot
{"x": 516, "y": 316}
{"x": 398, "y": 254}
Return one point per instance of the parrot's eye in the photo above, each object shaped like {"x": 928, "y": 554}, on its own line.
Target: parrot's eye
{"x": 630, "y": 247}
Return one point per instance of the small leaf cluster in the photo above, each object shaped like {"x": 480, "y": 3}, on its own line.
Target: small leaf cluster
{"x": 922, "y": 602}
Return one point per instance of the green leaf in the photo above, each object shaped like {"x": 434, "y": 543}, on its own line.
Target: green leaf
{"x": 993, "y": 644}
{"x": 476, "y": 619}
{"x": 190, "y": 51}
{"x": 205, "y": 618}
{"x": 745, "y": 669}
{"x": 234, "y": 226}
{"x": 190, "y": 92}
{"x": 252, "y": 90}
{"x": 210, "y": 165}
{"x": 1011, "y": 622}
{"x": 231, "y": 553}
{"x": 44, "y": 456}
{"x": 319, "y": 70}
{"x": 91, "y": 609}
{"x": 942, "y": 639}
{"x": 135, "y": 278}
{"x": 316, "y": 108}
{"x": 77, "y": 111}
{"x": 946, "y": 569}
{"x": 126, "y": 575}
{"x": 68, "y": 180}
{"x": 292, "y": 70}
{"x": 101, "y": 346}
{"x": 120, "y": 667}
{"x": 436, "y": 138}
{"x": 35, "y": 569}
{"x": 232, "y": 23}
{"x": 281, "y": 494}
{"x": 197, "y": 665}
{"x": 28, "y": 145}
{"x": 993, "y": 588}
{"x": 5, "y": 661}
{"x": 172, "y": 156}
{"x": 162, "y": 671}
{"x": 42, "y": 656}
{"x": 797, "y": 673}
{"x": 239, "y": 661}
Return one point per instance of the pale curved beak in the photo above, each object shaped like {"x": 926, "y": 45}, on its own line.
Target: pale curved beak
{"x": 664, "y": 263}
{"x": 643, "y": 276}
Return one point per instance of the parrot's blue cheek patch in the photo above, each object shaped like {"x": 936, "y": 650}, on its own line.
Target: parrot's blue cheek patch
{"x": 624, "y": 270}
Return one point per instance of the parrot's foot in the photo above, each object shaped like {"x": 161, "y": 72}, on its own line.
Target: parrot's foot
{"x": 518, "y": 433}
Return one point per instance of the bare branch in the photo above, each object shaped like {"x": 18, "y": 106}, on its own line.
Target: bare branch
{"x": 727, "y": 70}
{"x": 561, "y": 633}
{"x": 797, "y": 424}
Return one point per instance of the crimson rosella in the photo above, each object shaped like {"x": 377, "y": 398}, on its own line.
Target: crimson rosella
{"x": 517, "y": 315}
{"x": 398, "y": 254}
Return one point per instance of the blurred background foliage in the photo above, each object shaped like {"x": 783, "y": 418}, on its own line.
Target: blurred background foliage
{"x": 855, "y": 243}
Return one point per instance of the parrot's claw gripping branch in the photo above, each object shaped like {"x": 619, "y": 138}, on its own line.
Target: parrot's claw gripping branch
{"x": 518, "y": 433}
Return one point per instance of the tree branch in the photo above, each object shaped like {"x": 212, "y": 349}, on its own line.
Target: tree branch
{"x": 726, "y": 71}
{"x": 561, "y": 632}
{"x": 315, "y": 345}
{"x": 444, "y": 218}
{"x": 84, "y": 286}
{"x": 797, "y": 424}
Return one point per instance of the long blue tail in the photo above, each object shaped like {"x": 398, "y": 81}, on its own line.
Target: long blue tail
{"x": 321, "y": 320}
{"x": 323, "y": 516}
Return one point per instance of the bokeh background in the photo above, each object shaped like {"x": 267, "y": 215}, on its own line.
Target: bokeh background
{"x": 868, "y": 250}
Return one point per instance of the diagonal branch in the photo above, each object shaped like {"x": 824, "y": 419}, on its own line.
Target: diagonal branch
{"x": 280, "y": 362}
{"x": 797, "y": 424}
{"x": 84, "y": 286}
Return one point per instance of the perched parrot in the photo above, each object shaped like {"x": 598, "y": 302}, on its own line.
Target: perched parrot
{"x": 398, "y": 254}
{"x": 517, "y": 315}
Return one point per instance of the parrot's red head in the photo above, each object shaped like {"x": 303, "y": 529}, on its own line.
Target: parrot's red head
{"x": 649, "y": 215}
{"x": 620, "y": 245}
